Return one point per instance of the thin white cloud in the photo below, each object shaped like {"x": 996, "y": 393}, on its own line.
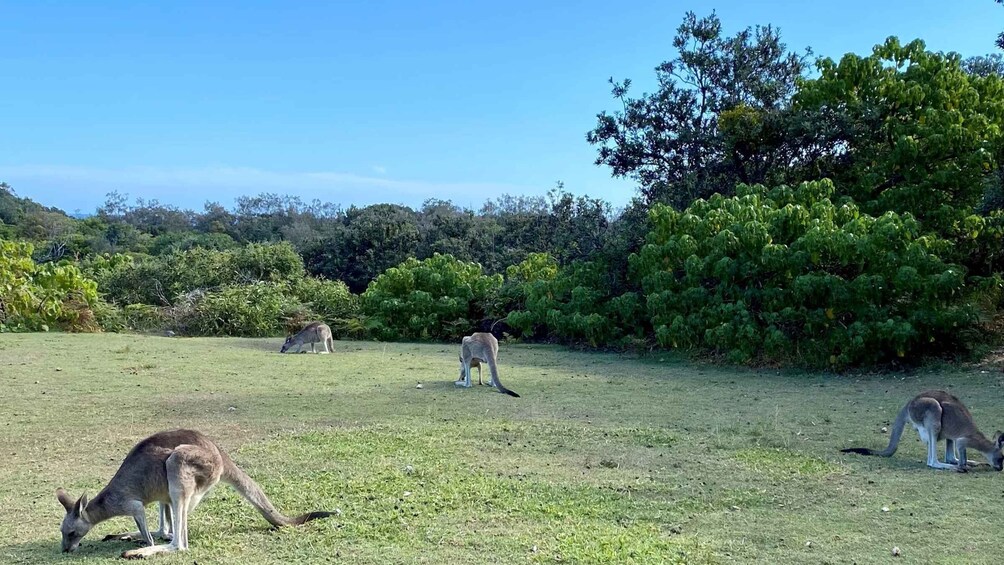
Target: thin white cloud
{"x": 379, "y": 169}
{"x": 248, "y": 180}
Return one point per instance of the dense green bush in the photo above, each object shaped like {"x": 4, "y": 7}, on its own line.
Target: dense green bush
{"x": 786, "y": 275}
{"x": 910, "y": 130}
{"x": 278, "y": 262}
{"x": 161, "y": 280}
{"x": 330, "y": 301}
{"x": 38, "y": 297}
{"x": 180, "y": 241}
{"x": 252, "y": 310}
{"x": 438, "y": 298}
{"x": 577, "y": 304}
{"x": 143, "y": 317}
{"x": 519, "y": 278}
{"x": 199, "y": 291}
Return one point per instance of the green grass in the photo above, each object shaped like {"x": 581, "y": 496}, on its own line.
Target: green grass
{"x": 605, "y": 459}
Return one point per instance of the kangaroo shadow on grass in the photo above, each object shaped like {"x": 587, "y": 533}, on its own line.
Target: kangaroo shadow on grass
{"x": 274, "y": 344}
{"x": 447, "y": 385}
{"x": 270, "y": 345}
{"x": 46, "y": 551}
{"x": 49, "y": 550}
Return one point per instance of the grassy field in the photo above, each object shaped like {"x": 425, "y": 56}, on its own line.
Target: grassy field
{"x": 605, "y": 459}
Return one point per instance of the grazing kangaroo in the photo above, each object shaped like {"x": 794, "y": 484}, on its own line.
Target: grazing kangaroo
{"x": 175, "y": 468}
{"x": 314, "y": 332}
{"x": 938, "y": 415}
{"x": 478, "y": 348}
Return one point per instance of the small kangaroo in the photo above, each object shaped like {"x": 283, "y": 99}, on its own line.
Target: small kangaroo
{"x": 314, "y": 332}
{"x": 175, "y": 468}
{"x": 938, "y": 415}
{"x": 475, "y": 349}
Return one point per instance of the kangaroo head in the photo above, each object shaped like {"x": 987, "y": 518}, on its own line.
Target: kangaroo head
{"x": 285, "y": 346}
{"x": 75, "y": 524}
{"x": 996, "y": 457}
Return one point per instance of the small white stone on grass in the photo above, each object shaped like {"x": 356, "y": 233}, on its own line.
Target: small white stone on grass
{"x": 885, "y": 508}
{"x": 419, "y": 385}
{"x": 808, "y": 544}
{"x": 232, "y": 408}
{"x": 895, "y": 552}
{"x": 884, "y": 429}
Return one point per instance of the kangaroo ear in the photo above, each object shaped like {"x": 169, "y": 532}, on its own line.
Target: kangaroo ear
{"x": 80, "y": 505}
{"x": 64, "y": 499}
{"x": 1000, "y": 439}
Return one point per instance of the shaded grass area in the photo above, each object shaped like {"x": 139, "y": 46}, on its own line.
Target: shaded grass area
{"x": 605, "y": 459}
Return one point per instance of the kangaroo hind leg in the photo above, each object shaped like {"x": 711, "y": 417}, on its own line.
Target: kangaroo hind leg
{"x": 929, "y": 432}
{"x": 164, "y": 532}
{"x": 951, "y": 456}
{"x": 191, "y": 472}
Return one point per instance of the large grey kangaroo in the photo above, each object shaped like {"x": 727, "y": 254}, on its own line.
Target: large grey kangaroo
{"x": 175, "y": 468}
{"x": 314, "y": 332}
{"x": 477, "y": 348}
{"x": 938, "y": 415}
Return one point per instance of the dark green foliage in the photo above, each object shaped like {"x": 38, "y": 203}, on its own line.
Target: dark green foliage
{"x": 364, "y": 243}
{"x": 987, "y": 242}
{"x": 575, "y": 304}
{"x": 170, "y": 242}
{"x": 438, "y": 298}
{"x": 984, "y": 65}
{"x": 786, "y": 275}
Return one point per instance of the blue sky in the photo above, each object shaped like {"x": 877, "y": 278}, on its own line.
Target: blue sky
{"x": 366, "y": 101}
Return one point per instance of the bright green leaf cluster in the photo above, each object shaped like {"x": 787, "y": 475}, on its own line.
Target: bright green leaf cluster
{"x": 785, "y": 274}
{"x": 38, "y": 297}
{"x": 911, "y": 131}
{"x": 438, "y": 298}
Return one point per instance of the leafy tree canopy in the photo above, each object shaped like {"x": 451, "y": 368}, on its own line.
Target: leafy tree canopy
{"x": 672, "y": 141}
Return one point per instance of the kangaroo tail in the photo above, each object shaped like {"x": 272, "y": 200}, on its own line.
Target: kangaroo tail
{"x": 897, "y": 431}
{"x": 495, "y": 377}
{"x": 237, "y": 478}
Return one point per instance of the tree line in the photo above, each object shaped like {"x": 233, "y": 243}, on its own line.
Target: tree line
{"x": 790, "y": 209}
